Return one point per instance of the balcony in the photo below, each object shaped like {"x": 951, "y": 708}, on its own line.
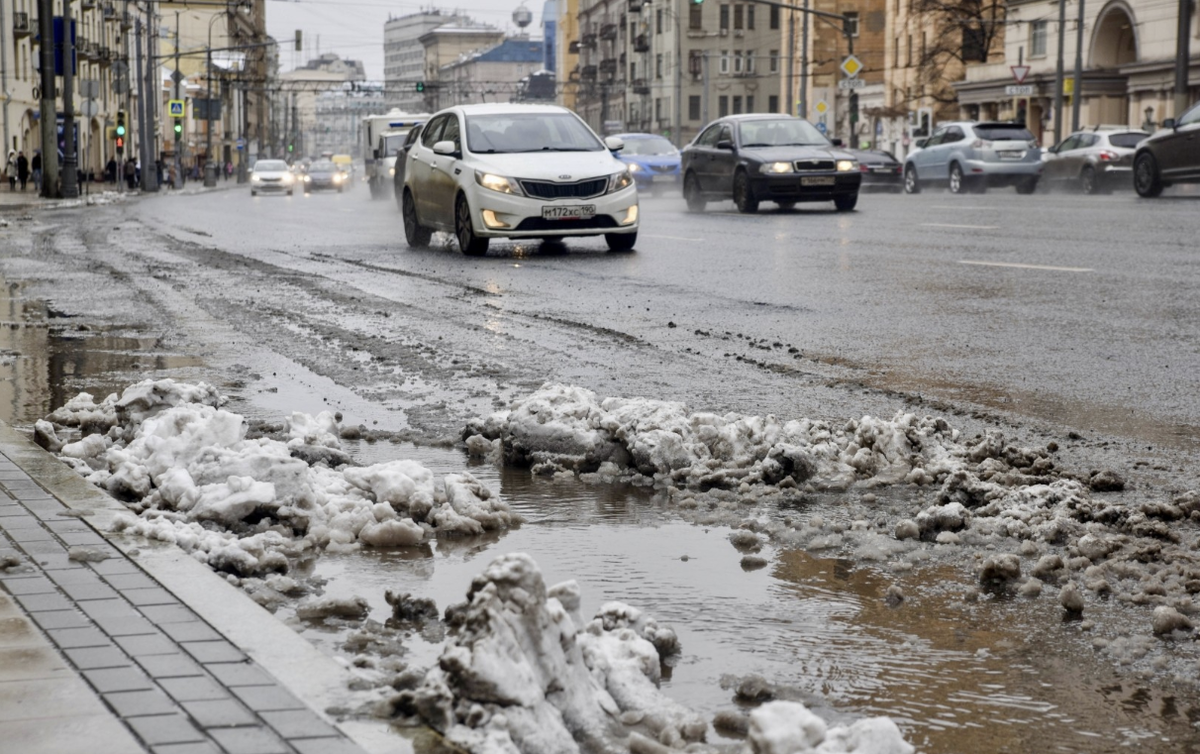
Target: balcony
{"x": 641, "y": 43}
{"x": 109, "y": 12}
{"x": 573, "y": 47}
{"x": 589, "y": 41}
{"x": 608, "y": 66}
{"x": 87, "y": 4}
{"x": 21, "y": 26}
{"x": 588, "y": 73}
{"x": 105, "y": 56}
{"x": 640, "y": 86}
{"x": 635, "y": 6}
{"x": 126, "y": 21}
{"x": 608, "y": 31}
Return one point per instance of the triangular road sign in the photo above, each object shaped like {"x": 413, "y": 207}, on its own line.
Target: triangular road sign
{"x": 1019, "y": 73}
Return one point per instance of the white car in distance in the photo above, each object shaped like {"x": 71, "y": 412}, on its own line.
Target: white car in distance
{"x": 516, "y": 171}
{"x": 271, "y": 176}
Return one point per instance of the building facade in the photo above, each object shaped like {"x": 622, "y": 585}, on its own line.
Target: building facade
{"x": 298, "y": 92}
{"x": 404, "y": 56}
{"x": 492, "y": 75}
{"x": 339, "y": 114}
{"x": 449, "y": 44}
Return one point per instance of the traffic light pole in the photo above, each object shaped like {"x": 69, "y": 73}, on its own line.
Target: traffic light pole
{"x": 70, "y": 165}
{"x": 178, "y": 77}
{"x": 48, "y": 116}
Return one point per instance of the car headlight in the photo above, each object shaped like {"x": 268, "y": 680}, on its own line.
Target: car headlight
{"x": 337, "y": 177}
{"x": 776, "y": 167}
{"x": 847, "y": 166}
{"x": 494, "y": 182}
{"x": 391, "y": 171}
{"x": 620, "y": 180}
{"x": 634, "y": 167}
{"x": 287, "y": 178}
{"x": 255, "y": 179}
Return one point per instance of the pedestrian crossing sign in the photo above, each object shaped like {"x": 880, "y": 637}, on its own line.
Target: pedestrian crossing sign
{"x": 175, "y": 108}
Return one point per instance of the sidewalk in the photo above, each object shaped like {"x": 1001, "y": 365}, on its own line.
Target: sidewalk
{"x": 114, "y": 644}
{"x": 27, "y": 200}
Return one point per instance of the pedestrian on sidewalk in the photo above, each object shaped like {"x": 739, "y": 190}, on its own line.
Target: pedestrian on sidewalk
{"x": 10, "y": 170}
{"x": 35, "y": 165}
{"x": 22, "y": 169}
{"x": 110, "y": 170}
{"x": 130, "y": 173}
{"x": 228, "y": 170}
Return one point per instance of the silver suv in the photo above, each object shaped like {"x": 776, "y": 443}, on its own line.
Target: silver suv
{"x": 969, "y": 156}
{"x": 1097, "y": 160}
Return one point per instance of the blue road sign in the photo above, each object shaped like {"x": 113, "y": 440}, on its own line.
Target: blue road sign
{"x": 821, "y": 126}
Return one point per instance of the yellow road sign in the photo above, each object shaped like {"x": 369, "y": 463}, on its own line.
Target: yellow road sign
{"x": 851, "y": 66}
{"x": 175, "y": 108}
{"x": 821, "y": 107}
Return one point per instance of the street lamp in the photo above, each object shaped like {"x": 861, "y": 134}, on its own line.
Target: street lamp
{"x": 1149, "y": 124}
{"x": 210, "y": 167}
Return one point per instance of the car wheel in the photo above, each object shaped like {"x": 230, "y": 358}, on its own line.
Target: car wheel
{"x": 786, "y": 206}
{"x": 912, "y": 184}
{"x": 1087, "y": 181}
{"x": 691, "y": 192}
{"x": 958, "y": 184}
{"x": 743, "y": 195}
{"x": 470, "y": 244}
{"x": 845, "y": 202}
{"x": 1146, "y": 178}
{"x": 620, "y": 241}
{"x": 1027, "y": 186}
{"x": 415, "y": 233}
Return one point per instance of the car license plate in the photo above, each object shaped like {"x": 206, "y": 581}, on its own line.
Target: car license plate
{"x": 883, "y": 170}
{"x": 817, "y": 180}
{"x": 664, "y": 179}
{"x": 1011, "y": 155}
{"x": 573, "y": 212}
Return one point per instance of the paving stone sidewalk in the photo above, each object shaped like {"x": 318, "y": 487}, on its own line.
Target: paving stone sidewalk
{"x": 96, "y": 656}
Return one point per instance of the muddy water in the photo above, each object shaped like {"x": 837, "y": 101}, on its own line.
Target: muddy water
{"x": 998, "y": 676}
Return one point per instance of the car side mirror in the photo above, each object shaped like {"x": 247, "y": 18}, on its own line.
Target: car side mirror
{"x": 1169, "y": 123}
{"x": 725, "y": 144}
{"x": 445, "y": 147}
{"x": 614, "y": 144}
{"x": 837, "y": 142}
{"x": 920, "y": 143}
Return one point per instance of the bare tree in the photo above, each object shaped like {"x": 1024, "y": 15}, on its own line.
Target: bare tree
{"x": 960, "y": 33}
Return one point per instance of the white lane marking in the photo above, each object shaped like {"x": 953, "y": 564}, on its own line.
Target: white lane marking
{"x": 676, "y": 238}
{"x": 957, "y": 206}
{"x": 961, "y": 227}
{"x": 1027, "y": 266}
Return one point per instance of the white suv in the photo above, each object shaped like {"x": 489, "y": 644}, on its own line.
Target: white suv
{"x": 516, "y": 171}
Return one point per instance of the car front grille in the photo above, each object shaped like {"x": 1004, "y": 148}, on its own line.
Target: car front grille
{"x": 663, "y": 168}
{"x": 271, "y": 180}
{"x": 593, "y": 223}
{"x": 580, "y": 190}
{"x": 814, "y": 165}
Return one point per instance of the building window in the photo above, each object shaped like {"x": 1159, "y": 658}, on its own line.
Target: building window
{"x": 694, "y": 107}
{"x": 750, "y": 17}
{"x": 749, "y": 103}
{"x": 658, "y": 108}
{"x": 696, "y": 16}
{"x": 722, "y": 106}
{"x": 739, "y": 12}
{"x": 723, "y": 67}
{"x": 896, "y": 53}
{"x": 737, "y": 61}
{"x": 908, "y": 52}
{"x": 658, "y": 27}
{"x": 774, "y": 64}
{"x": 1037, "y": 39}
{"x": 773, "y": 103}
{"x": 658, "y": 65}
{"x": 749, "y": 61}
{"x": 737, "y": 104}
{"x": 724, "y": 25}
{"x": 851, "y": 23}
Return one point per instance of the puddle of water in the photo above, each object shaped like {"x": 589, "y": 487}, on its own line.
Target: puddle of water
{"x": 45, "y": 359}
{"x": 1000, "y": 676}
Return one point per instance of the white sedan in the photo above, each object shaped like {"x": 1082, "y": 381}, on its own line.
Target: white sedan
{"x": 516, "y": 171}
{"x": 271, "y": 176}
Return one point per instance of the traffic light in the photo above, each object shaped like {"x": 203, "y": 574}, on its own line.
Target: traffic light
{"x": 120, "y": 144}
{"x": 120, "y": 130}
{"x": 299, "y": 40}
{"x": 420, "y": 86}
{"x": 697, "y": 2}
{"x": 853, "y": 107}
{"x": 178, "y": 127}
{"x": 289, "y": 147}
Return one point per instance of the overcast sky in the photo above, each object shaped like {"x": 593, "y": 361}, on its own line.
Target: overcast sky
{"x": 354, "y": 28}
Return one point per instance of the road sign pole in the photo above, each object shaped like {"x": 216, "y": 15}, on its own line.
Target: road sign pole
{"x": 177, "y": 182}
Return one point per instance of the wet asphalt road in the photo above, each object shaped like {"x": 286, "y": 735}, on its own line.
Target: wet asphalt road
{"x": 1057, "y": 312}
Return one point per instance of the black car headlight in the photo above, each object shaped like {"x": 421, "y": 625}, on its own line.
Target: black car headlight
{"x": 776, "y": 168}
{"x": 618, "y": 181}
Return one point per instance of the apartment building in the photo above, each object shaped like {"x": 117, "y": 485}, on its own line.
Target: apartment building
{"x": 404, "y": 56}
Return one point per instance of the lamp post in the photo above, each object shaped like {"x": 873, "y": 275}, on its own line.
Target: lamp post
{"x": 210, "y": 167}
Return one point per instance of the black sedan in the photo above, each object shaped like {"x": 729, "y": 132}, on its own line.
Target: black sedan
{"x": 1171, "y": 155}
{"x": 764, "y": 157}
{"x": 880, "y": 170}
{"x": 324, "y": 175}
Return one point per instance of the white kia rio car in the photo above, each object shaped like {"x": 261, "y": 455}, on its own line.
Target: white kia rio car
{"x": 516, "y": 171}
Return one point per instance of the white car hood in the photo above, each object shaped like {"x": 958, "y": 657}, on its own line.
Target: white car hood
{"x": 562, "y": 167}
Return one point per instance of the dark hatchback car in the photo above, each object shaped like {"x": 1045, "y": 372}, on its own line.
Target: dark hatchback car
{"x": 324, "y": 175}
{"x": 1171, "y": 155}
{"x": 401, "y": 162}
{"x": 880, "y": 170}
{"x": 764, "y": 157}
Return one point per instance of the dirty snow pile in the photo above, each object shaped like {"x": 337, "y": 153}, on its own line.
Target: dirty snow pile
{"x": 522, "y": 672}
{"x": 246, "y": 506}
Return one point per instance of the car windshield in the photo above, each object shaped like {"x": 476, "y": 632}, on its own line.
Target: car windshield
{"x": 502, "y": 133}
{"x": 323, "y": 166}
{"x": 1003, "y": 132}
{"x": 647, "y": 147}
{"x": 270, "y": 166}
{"x": 1129, "y": 140}
{"x": 392, "y": 143}
{"x": 784, "y": 132}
